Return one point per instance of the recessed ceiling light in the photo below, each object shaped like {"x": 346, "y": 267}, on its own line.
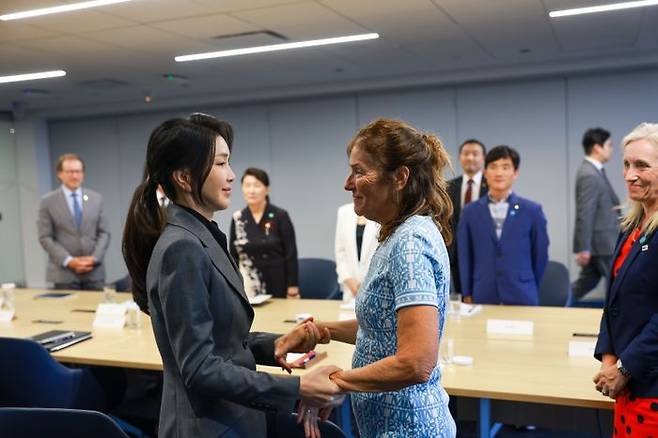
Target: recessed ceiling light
{"x": 277, "y": 47}
{"x": 602, "y": 8}
{"x": 58, "y": 9}
{"x": 32, "y": 76}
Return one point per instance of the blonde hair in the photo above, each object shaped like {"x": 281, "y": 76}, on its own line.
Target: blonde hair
{"x": 649, "y": 132}
{"x": 393, "y": 144}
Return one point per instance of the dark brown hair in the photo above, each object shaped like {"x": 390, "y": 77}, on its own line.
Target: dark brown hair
{"x": 392, "y": 144}
{"x": 177, "y": 144}
{"x": 66, "y": 157}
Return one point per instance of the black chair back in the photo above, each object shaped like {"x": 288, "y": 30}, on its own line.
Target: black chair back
{"x": 57, "y": 423}
{"x": 318, "y": 279}
{"x": 555, "y": 288}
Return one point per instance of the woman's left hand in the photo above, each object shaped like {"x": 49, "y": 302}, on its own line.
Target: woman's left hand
{"x": 310, "y": 416}
{"x": 610, "y": 381}
{"x": 301, "y": 339}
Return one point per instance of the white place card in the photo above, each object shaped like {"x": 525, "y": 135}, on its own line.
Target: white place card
{"x": 510, "y": 327}
{"x": 581, "y": 348}
{"x": 110, "y": 315}
{"x": 6, "y": 315}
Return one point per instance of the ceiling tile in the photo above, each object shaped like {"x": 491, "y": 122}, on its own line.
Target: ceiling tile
{"x": 145, "y": 39}
{"x": 17, "y": 31}
{"x": 596, "y": 31}
{"x": 78, "y": 22}
{"x": 148, "y": 11}
{"x": 206, "y": 27}
{"x": 507, "y": 29}
{"x": 318, "y": 21}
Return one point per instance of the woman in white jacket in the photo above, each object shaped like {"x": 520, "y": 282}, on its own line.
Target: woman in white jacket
{"x": 356, "y": 241}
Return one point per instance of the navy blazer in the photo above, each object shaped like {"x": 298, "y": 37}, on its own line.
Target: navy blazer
{"x": 629, "y": 325}
{"x": 201, "y": 319}
{"x": 505, "y": 271}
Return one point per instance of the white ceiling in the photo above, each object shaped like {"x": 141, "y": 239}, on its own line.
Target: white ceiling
{"x": 422, "y": 41}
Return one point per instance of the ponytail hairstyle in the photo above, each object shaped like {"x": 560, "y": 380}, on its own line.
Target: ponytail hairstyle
{"x": 177, "y": 144}
{"x": 392, "y": 144}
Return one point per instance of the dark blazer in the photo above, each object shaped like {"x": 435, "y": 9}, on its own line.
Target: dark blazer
{"x": 629, "y": 325}
{"x": 455, "y": 193}
{"x": 201, "y": 318}
{"x": 597, "y": 217}
{"x": 61, "y": 238}
{"x": 266, "y": 251}
{"x": 509, "y": 270}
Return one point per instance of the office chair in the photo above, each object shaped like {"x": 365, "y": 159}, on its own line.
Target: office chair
{"x": 123, "y": 284}
{"x": 555, "y": 288}
{"x": 30, "y": 377}
{"x": 57, "y": 423}
{"x": 287, "y": 427}
{"x": 318, "y": 279}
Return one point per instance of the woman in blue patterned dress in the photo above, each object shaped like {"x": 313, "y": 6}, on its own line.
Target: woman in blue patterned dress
{"x": 396, "y": 180}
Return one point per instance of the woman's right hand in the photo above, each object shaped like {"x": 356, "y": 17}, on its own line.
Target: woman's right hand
{"x": 316, "y": 389}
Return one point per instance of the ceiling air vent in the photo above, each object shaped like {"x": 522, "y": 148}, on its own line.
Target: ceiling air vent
{"x": 103, "y": 84}
{"x": 248, "y": 39}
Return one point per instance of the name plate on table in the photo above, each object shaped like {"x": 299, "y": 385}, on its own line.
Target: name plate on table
{"x": 509, "y": 327}
{"x": 581, "y": 348}
{"x": 109, "y": 315}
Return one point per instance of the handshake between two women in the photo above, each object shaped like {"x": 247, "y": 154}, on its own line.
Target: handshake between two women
{"x": 318, "y": 393}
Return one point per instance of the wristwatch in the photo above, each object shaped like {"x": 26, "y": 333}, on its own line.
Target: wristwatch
{"x": 624, "y": 372}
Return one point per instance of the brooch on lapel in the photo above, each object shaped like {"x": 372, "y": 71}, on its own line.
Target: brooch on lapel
{"x": 85, "y": 198}
{"x": 514, "y": 210}
{"x": 645, "y": 247}
{"x": 268, "y": 225}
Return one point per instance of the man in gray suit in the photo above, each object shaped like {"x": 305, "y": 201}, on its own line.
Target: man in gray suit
{"x": 597, "y": 214}
{"x": 73, "y": 230}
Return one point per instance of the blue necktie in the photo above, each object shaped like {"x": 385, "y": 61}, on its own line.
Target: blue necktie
{"x": 77, "y": 211}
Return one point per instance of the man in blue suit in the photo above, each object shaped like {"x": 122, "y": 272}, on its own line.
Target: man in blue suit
{"x": 502, "y": 239}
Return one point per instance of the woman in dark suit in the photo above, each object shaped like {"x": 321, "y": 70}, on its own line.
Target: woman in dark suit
{"x": 628, "y": 339}
{"x": 184, "y": 277}
{"x": 263, "y": 241}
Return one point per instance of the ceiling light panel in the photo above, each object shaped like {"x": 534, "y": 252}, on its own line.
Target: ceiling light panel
{"x": 602, "y": 8}
{"x": 32, "y": 76}
{"x": 277, "y": 47}
{"x": 59, "y": 9}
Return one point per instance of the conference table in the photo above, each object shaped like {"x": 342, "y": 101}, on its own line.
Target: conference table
{"x": 532, "y": 368}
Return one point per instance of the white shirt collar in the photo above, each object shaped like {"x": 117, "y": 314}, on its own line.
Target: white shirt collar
{"x": 477, "y": 178}
{"x": 68, "y": 192}
{"x": 597, "y": 164}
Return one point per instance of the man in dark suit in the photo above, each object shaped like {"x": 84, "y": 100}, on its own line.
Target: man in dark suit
{"x": 502, "y": 239}
{"x": 462, "y": 190}
{"x": 73, "y": 230}
{"x": 597, "y": 214}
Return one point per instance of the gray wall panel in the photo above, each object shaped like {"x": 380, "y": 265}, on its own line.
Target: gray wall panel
{"x": 429, "y": 110}
{"x": 309, "y": 167}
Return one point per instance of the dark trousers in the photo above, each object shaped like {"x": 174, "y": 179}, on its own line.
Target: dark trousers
{"x": 591, "y": 274}
{"x": 81, "y": 285}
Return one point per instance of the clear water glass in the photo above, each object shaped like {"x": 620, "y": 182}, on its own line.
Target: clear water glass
{"x": 109, "y": 294}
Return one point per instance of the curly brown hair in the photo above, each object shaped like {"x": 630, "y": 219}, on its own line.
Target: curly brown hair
{"x": 392, "y": 144}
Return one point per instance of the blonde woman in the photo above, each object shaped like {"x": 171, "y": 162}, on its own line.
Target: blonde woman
{"x": 628, "y": 338}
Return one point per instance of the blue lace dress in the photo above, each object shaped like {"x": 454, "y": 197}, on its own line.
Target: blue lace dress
{"x": 410, "y": 268}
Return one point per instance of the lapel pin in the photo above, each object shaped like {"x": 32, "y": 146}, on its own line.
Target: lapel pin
{"x": 643, "y": 239}
{"x": 645, "y": 247}
{"x": 516, "y": 206}
{"x": 85, "y": 198}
